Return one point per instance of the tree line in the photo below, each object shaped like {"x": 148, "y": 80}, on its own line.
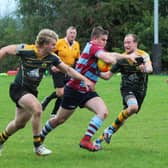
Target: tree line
{"x": 119, "y": 17}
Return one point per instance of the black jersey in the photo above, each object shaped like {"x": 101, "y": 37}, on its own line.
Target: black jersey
{"x": 132, "y": 78}
{"x": 32, "y": 66}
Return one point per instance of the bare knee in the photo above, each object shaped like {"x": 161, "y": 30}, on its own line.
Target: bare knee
{"x": 103, "y": 114}
{"x": 133, "y": 109}
{"x": 37, "y": 109}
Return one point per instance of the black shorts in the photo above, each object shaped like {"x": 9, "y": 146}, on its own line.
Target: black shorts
{"x": 138, "y": 94}
{"x": 59, "y": 79}
{"x": 72, "y": 98}
{"x": 16, "y": 92}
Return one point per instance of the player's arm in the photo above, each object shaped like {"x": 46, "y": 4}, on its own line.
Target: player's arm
{"x": 146, "y": 68}
{"x": 107, "y": 75}
{"x": 8, "y": 50}
{"x": 54, "y": 69}
{"x": 74, "y": 74}
{"x": 146, "y": 65}
{"x": 112, "y": 57}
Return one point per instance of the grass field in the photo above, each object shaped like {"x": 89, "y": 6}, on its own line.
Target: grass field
{"x": 141, "y": 143}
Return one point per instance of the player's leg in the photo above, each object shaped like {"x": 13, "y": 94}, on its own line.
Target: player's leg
{"x": 19, "y": 122}
{"x": 58, "y": 79}
{"x": 68, "y": 106}
{"x": 47, "y": 100}
{"x": 132, "y": 103}
{"x": 131, "y": 107}
{"x": 60, "y": 93}
{"x": 61, "y": 116}
{"x": 18, "y": 95}
{"x": 53, "y": 95}
{"x": 97, "y": 105}
{"x": 33, "y": 107}
{"x": 52, "y": 123}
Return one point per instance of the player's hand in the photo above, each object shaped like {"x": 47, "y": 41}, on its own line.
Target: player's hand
{"x": 142, "y": 68}
{"x": 132, "y": 57}
{"x": 167, "y": 81}
{"x": 106, "y": 75}
{"x": 55, "y": 69}
{"x": 90, "y": 86}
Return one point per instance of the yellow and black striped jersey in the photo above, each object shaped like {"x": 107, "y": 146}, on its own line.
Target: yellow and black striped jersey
{"x": 131, "y": 75}
{"x": 33, "y": 65}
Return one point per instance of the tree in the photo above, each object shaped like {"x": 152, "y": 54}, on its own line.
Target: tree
{"x": 9, "y": 33}
{"x": 118, "y": 17}
{"x": 36, "y": 15}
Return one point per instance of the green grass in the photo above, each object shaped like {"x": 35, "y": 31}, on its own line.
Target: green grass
{"x": 142, "y": 142}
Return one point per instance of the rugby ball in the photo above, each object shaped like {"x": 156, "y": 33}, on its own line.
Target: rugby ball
{"x": 102, "y": 66}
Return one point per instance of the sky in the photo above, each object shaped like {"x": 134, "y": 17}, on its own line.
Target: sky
{"x": 7, "y": 6}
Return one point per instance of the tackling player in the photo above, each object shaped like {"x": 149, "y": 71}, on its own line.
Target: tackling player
{"x": 133, "y": 85}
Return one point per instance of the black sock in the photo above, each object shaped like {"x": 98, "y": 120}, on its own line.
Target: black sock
{"x": 56, "y": 106}
{"x": 52, "y": 95}
{"x": 48, "y": 99}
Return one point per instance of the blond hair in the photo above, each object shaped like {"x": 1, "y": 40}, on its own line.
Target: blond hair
{"x": 45, "y": 36}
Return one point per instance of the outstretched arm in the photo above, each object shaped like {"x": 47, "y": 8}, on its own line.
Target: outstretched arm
{"x": 112, "y": 57}
{"x": 8, "y": 50}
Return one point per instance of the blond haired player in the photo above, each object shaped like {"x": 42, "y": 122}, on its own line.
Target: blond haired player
{"x": 35, "y": 59}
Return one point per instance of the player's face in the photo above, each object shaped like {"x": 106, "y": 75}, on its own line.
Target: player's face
{"x": 102, "y": 40}
{"x": 129, "y": 44}
{"x": 71, "y": 35}
{"x": 50, "y": 46}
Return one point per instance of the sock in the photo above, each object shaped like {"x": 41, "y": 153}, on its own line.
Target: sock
{"x": 46, "y": 129}
{"x": 101, "y": 138}
{"x": 56, "y": 106}
{"x": 4, "y": 136}
{"x": 52, "y": 95}
{"x": 94, "y": 125}
{"x": 37, "y": 140}
{"x": 116, "y": 124}
{"x": 120, "y": 120}
{"x": 48, "y": 99}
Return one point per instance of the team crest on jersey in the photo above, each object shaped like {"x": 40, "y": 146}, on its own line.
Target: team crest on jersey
{"x": 44, "y": 65}
{"x": 34, "y": 73}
